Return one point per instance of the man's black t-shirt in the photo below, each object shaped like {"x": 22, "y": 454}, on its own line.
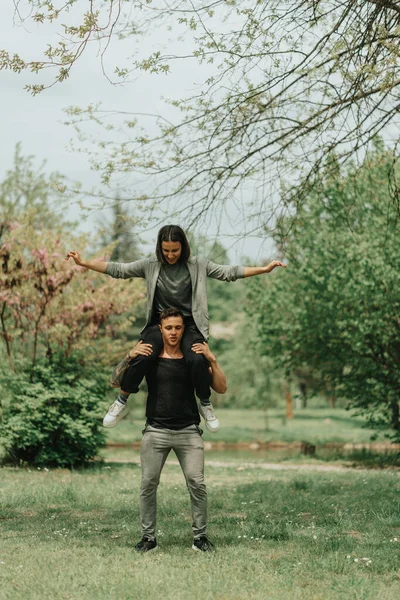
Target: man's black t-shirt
{"x": 171, "y": 403}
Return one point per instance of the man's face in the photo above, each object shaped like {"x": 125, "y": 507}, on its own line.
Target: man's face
{"x": 172, "y": 329}
{"x": 171, "y": 251}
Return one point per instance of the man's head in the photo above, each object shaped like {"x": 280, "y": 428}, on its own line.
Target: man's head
{"x": 172, "y": 326}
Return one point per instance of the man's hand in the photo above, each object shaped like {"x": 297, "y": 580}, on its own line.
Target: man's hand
{"x": 140, "y": 349}
{"x": 273, "y": 265}
{"x": 76, "y": 256}
{"x": 203, "y": 348}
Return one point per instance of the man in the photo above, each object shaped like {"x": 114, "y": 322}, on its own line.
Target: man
{"x": 172, "y": 423}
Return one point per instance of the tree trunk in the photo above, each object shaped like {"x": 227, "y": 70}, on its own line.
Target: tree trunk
{"x": 395, "y": 419}
{"x": 289, "y": 404}
{"x": 331, "y": 398}
{"x": 6, "y": 337}
{"x": 35, "y": 341}
{"x": 266, "y": 419}
{"x": 303, "y": 390}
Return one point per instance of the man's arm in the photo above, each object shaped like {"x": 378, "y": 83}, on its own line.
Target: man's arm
{"x": 218, "y": 379}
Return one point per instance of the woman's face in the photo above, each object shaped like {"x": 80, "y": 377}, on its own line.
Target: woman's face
{"x": 171, "y": 251}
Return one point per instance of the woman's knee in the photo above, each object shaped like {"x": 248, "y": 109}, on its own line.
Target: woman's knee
{"x": 154, "y": 338}
{"x": 195, "y": 360}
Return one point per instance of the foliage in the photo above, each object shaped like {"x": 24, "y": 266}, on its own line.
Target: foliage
{"x": 336, "y": 306}
{"x": 56, "y": 420}
{"x": 253, "y": 379}
{"x": 47, "y": 303}
{"x": 119, "y": 231}
{"x": 27, "y": 189}
{"x": 119, "y": 234}
{"x": 281, "y": 86}
{"x": 50, "y": 310}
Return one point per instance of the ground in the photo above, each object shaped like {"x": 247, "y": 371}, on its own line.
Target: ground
{"x": 314, "y": 425}
{"x": 279, "y": 534}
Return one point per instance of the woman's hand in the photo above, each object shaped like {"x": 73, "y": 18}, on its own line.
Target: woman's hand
{"x": 140, "y": 349}
{"x": 252, "y": 271}
{"x": 203, "y": 348}
{"x": 273, "y": 265}
{"x": 76, "y": 256}
{"x": 95, "y": 265}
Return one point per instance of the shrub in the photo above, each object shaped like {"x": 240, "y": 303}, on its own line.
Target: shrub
{"x": 56, "y": 420}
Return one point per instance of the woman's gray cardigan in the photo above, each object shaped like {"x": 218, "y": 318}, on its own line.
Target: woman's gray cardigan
{"x": 199, "y": 269}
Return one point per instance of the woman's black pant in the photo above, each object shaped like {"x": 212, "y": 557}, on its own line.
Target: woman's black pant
{"x": 197, "y": 363}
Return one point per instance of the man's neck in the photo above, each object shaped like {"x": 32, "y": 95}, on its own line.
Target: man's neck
{"x": 171, "y": 351}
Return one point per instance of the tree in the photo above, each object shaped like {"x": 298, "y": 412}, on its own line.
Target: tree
{"x": 284, "y": 85}
{"x": 56, "y": 327}
{"x": 43, "y": 304}
{"x": 27, "y": 189}
{"x": 253, "y": 379}
{"x": 48, "y": 304}
{"x": 336, "y": 307}
{"x": 119, "y": 232}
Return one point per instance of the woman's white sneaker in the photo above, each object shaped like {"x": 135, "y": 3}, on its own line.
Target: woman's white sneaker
{"x": 117, "y": 411}
{"x": 209, "y": 416}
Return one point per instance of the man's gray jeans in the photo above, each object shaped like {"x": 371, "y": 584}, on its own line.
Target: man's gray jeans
{"x": 188, "y": 446}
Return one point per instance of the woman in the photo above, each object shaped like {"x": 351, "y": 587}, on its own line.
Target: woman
{"x": 174, "y": 279}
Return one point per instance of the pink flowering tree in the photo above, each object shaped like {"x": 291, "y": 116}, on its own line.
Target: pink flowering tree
{"x": 47, "y": 303}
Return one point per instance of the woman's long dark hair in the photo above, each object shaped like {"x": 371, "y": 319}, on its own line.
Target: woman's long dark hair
{"x": 172, "y": 233}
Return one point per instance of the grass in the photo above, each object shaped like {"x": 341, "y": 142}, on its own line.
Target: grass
{"x": 279, "y": 535}
{"x": 355, "y": 458}
{"x": 314, "y": 425}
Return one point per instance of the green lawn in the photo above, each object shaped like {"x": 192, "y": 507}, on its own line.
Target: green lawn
{"x": 279, "y": 535}
{"x": 314, "y": 425}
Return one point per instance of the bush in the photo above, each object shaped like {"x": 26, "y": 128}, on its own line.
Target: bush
{"x": 56, "y": 420}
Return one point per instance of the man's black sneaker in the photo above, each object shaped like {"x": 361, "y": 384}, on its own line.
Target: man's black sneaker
{"x": 202, "y": 544}
{"x": 146, "y": 545}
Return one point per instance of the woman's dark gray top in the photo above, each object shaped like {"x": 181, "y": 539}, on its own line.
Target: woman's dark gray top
{"x": 199, "y": 269}
{"x": 173, "y": 288}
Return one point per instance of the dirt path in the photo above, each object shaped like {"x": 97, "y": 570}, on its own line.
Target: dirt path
{"x": 242, "y": 466}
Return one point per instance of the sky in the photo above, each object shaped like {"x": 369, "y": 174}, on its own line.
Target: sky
{"x": 38, "y": 122}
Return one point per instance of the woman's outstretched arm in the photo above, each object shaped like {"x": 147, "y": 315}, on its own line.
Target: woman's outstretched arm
{"x": 252, "y": 271}
{"x": 117, "y": 270}
{"x": 94, "y": 265}
{"x": 232, "y": 273}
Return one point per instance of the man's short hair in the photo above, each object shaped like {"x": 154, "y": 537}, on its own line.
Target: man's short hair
{"x": 171, "y": 312}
